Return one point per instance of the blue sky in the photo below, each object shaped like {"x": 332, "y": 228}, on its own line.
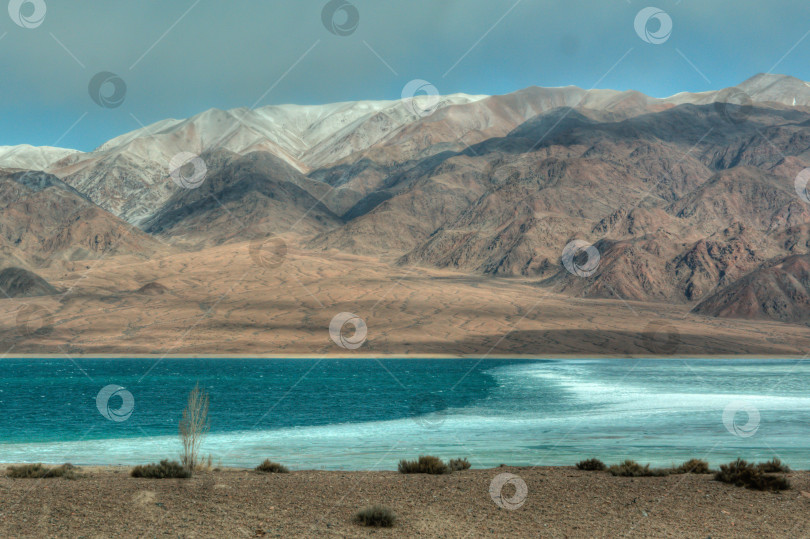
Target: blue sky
{"x": 180, "y": 57}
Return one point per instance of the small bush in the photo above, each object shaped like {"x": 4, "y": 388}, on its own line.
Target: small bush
{"x": 38, "y": 471}
{"x": 425, "y": 464}
{"x": 773, "y": 466}
{"x": 695, "y": 466}
{"x": 457, "y": 465}
{"x": 165, "y": 470}
{"x": 268, "y": 466}
{"x": 769, "y": 482}
{"x": 743, "y": 474}
{"x": 631, "y": 468}
{"x": 591, "y": 465}
{"x": 735, "y": 473}
{"x": 376, "y": 515}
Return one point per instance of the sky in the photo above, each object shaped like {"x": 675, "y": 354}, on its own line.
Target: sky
{"x": 176, "y": 58}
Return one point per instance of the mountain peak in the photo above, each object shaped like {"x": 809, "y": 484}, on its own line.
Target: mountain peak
{"x": 772, "y": 85}
{"x": 768, "y": 78}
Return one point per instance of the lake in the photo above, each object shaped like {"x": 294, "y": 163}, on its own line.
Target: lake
{"x": 359, "y": 414}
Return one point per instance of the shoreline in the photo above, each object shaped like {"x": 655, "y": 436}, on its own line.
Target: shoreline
{"x": 4, "y": 466}
{"x": 555, "y": 502}
{"x": 520, "y": 357}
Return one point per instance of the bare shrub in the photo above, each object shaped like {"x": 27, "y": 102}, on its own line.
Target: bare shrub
{"x": 194, "y": 426}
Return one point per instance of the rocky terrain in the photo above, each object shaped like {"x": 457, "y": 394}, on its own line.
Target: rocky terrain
{"x": 241, "y": 197}
{"x": 695, "y": 204}
{"x": 778, "y": 290}
{"x": 559, "y": 502}
{"x": 44, "y": 222}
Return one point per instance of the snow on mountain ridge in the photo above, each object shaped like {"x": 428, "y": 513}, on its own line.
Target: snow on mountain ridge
{"x": 149, "y": 130}
{"x": 761, "y": 88}
{"x": 25, "y": 156}
{"x": 128, "y": 175}
{"x": 295, "y": 129}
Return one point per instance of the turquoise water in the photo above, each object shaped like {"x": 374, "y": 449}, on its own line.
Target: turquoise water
{"x": 367, "y": 414}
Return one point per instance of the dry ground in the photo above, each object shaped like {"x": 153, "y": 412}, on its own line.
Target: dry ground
{"x": 561, "y": 502}
{"x": 221, "y": 302}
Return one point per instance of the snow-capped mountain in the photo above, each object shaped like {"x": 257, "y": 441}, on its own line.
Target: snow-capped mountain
{"x": 761, "y": 88}
{"x": 682, "y": 195}
{"x": 305, "y": 136}
{"x": 129, "y": 175}
{"x": 30, "y": 157}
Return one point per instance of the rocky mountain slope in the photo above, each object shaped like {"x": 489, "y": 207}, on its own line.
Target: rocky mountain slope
{"x": 242, "y": 197}
{"x": 128, "y": 175}
{"x": 683, "y": 198}
{"x": 778, "y": 290}
{"x": 509, "y": 204}
{"x": 354, "y": 144}
{"x": 44, "y": 221}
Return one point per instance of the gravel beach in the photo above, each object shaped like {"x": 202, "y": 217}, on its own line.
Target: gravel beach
{"x": 559, "y": 502}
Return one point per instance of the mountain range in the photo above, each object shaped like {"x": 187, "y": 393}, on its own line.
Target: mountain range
{"x": 690, "y": 200}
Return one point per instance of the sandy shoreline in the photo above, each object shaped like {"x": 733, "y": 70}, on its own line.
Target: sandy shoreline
{"x": 559, "y": 502}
